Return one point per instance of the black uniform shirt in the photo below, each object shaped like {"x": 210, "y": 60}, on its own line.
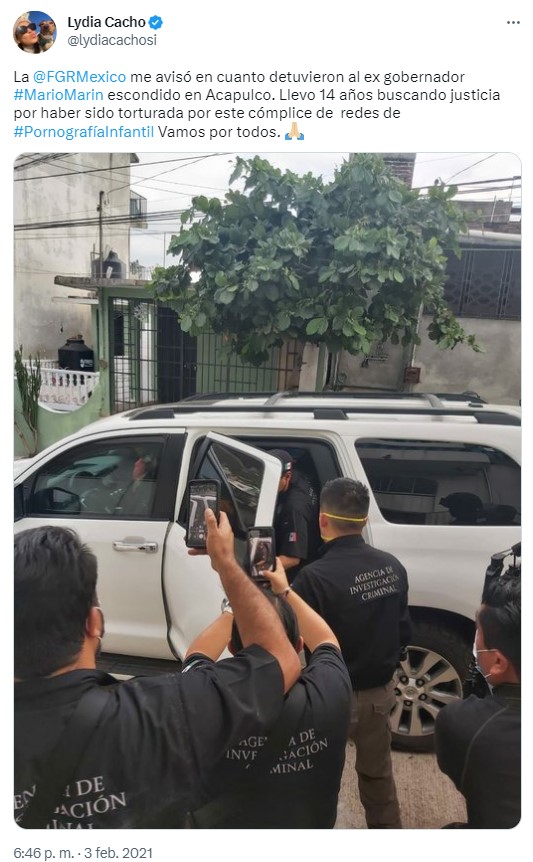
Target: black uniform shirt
{"x": 296, "y": 522}
{"x": 477, "y": 741}
{"x": 298, "y": 787}
{"x": 145, "y": 764}
{"x": 362, "y": 593}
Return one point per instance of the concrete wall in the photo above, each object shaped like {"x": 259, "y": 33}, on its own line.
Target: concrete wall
{"x": 41, "y": 324}
{"x": 494, "y": 374}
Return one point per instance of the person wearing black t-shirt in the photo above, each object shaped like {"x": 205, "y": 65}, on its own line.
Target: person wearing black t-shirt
{"x": 478, "y": 740}
{"x": 145, "y": 759}
{"x": 362, "y": 593}
{"x": 295, "y": 518}
{"x": 293, "y": 782}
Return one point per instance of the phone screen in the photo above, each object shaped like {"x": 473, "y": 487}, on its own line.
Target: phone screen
{"x": 202, "y": 495}
{"x": 261, "y": 551}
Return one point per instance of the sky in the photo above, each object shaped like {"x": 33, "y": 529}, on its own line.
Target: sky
{"x": 169, "y": 184}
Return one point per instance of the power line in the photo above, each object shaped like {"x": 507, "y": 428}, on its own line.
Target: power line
{"x": 41, "y": 159}
{"x": 473, "y": 165}
{"x": 475, "y": 182}
{"x": 103, "y": 170}
{"x": 134, "y": 180}
{"x": 160, "y": 216}
{"x": 164, "y": 215}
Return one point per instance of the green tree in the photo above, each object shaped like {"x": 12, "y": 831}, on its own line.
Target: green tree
{"x": 341, "y": 263}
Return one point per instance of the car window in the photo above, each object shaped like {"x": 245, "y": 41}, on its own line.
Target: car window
{"x": 240, "y": 476}
{"x": 421, "y": 482}
{"x": 100, "y": 479}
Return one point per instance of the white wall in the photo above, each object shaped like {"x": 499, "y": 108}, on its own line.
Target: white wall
{"x": 41, "y": 325}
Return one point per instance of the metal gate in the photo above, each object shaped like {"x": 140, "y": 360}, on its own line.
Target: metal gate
{"x": 154, "y": 361}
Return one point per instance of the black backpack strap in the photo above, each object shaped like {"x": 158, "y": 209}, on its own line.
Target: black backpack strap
{"x": 62, "y": 762}
{"x": 229, "y": 810}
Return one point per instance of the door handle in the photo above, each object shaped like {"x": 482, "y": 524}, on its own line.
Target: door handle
{"x": 148, "y": 547}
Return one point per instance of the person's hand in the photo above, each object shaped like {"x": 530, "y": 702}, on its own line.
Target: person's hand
{"x": 278, "y": 578}
{"x": 220, "y": 540}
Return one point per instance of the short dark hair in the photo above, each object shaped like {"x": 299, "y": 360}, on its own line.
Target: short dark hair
{"x": 500, "y": 617}
{"x": 55, "y": 588}
{"x": 347, "y": 498}
{"x": 286, "y": 615}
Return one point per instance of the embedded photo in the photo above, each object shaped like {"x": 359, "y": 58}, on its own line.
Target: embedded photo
{"x": 326, "y": 348}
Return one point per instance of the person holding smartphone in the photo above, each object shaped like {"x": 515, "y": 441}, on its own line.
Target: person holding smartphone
{"x": 290, "y": 776}
{"x": 261, "y": 553}
{"x": 136, "y": 753}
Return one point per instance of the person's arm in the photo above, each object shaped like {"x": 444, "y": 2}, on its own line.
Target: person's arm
{"x": 256, "y": 618}
{"x": 313, "y": 628}
{"x": 214, "y": 639}
{"x": 294, "y": 538}
{"x": 289, "y": 562}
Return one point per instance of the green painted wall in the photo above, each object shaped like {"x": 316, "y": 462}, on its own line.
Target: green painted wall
{"x": 54, "y": 425}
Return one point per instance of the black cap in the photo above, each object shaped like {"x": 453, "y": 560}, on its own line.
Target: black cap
{"x": 284, "y": 457}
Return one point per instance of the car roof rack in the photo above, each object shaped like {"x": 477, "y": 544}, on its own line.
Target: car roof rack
{"x": 434, "y": 408}
{"x": 273, "y": 398}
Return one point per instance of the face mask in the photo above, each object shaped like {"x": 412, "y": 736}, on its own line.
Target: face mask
{"x": 485, "y": 676}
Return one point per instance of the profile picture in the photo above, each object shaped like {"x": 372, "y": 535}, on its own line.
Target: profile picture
{"x": 34, "y": 32}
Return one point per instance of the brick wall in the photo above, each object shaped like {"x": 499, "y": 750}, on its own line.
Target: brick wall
{"x": 402, "y": 165}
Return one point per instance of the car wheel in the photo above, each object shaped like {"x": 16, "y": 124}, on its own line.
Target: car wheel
{"x": 430, "y": 677}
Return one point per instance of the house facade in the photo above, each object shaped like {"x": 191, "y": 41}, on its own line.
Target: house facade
{"x": 70, "y": 211}
{"x": 483, "y": 289}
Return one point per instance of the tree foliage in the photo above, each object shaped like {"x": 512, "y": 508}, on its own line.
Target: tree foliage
{"x": 343, "y": 263}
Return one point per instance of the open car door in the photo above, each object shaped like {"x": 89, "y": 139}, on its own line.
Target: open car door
{"x": 249, "y": 480}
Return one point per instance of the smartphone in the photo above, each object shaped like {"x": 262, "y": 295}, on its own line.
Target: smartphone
{"x": 202, "y": 494}
{"x": 261, "y": 553}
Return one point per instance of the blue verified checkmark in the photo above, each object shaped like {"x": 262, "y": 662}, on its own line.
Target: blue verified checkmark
{"x": 155, "y": 22}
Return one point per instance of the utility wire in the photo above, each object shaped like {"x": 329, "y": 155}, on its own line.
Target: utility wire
{"x": 41, "y": 159}
{"x": 103, "y": 170}
{"x": 473, "y": 165}
{"x": 475, "y": 182}
{"x": 164, "y": 215}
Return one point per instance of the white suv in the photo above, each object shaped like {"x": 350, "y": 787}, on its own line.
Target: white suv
{"x": 445, "y": 494}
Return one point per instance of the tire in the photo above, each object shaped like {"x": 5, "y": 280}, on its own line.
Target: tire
{"x": 431, "y": 676}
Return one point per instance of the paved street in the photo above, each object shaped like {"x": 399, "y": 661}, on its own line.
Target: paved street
{"x": 428, "y": 799}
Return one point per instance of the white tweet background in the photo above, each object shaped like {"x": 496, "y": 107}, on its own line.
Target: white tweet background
{"x": 471, "y": 37}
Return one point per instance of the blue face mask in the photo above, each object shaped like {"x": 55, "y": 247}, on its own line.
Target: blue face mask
{"x": 485, "y": 676}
